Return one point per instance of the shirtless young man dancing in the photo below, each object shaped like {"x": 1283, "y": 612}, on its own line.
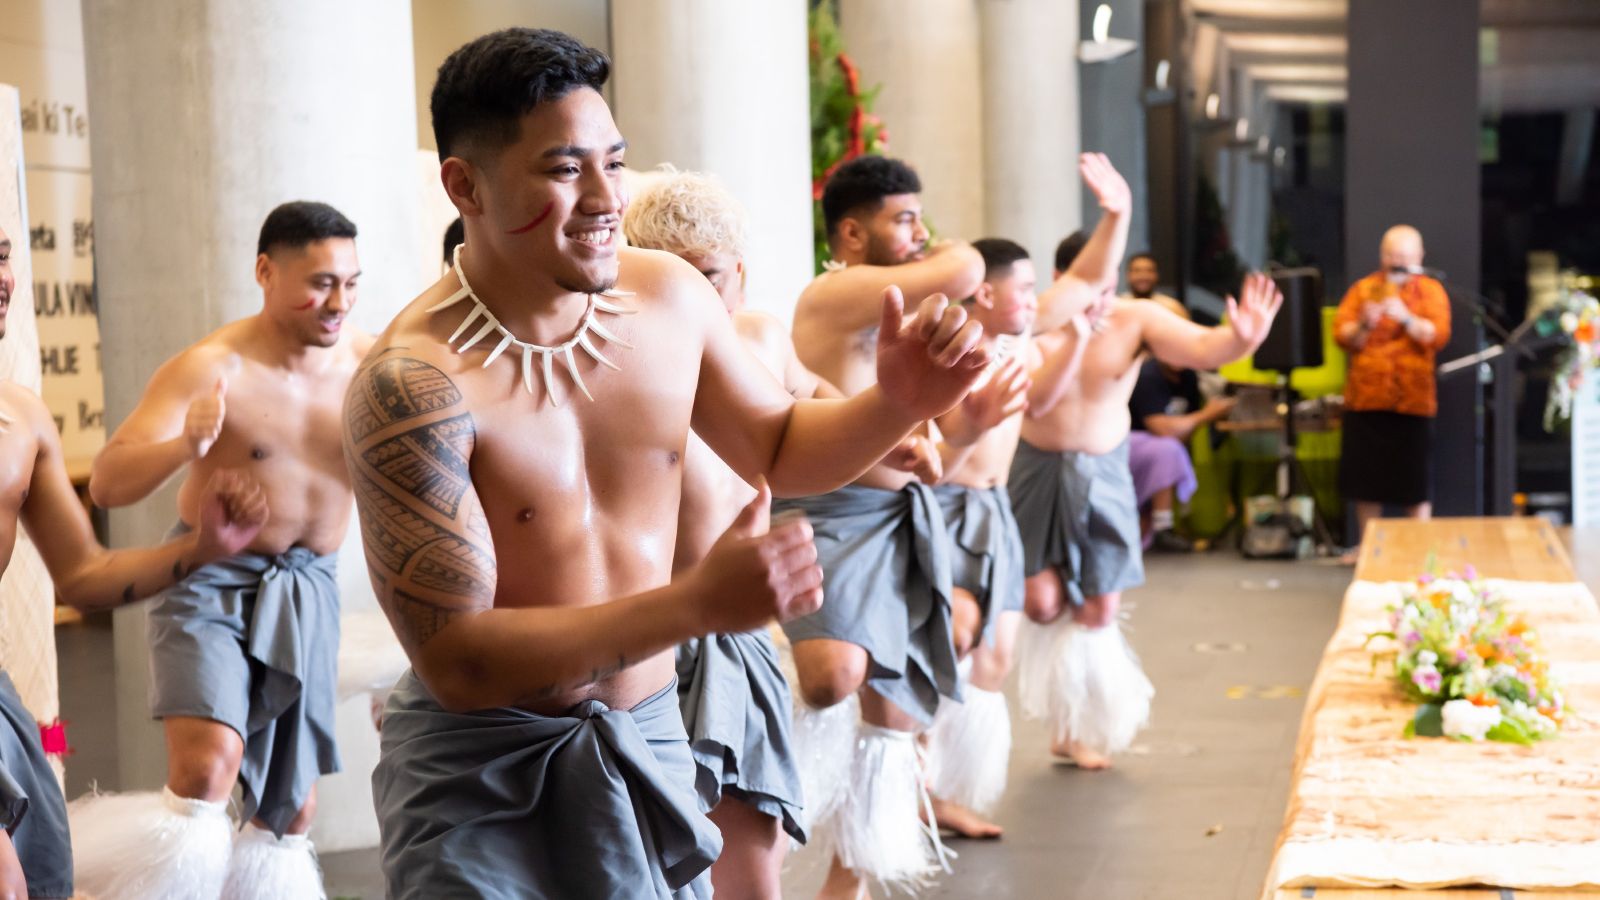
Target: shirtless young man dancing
{"x": 887, "y": 621}
{"x": 734, "y": 697}
{"x": 35, "y": 850}
{"x": 536, "y": 745}
{"x": 889, "y": 625}
{"x": 970, "y": 742}
{"x": 244, "y": 651}
{"x": 1073, "y": 496}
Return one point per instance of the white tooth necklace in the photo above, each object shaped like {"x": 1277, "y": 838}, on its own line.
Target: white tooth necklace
{"x": 580, "y": 339}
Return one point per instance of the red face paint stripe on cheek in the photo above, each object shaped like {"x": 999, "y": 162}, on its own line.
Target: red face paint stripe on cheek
{"x": 548, "y": 207}
{"x": 306, "y": 305}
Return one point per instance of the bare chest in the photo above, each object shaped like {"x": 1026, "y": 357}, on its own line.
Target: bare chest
{"x": 282, "y": 421}
{"x": 588, "y": 488}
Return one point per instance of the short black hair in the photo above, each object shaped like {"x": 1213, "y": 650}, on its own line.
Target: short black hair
{"x": 1068, "y": 250}
{"x": 454, "y": 236}
{"x": 865, "y": 181}
{"x": 999, "y": 255}
{"x": 301, "y": 222}
{"x": 485, "y": 88}
{"x": 1146, "y": 255}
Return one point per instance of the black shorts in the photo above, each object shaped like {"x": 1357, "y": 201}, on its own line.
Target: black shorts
{"x": 1386, "y": 457}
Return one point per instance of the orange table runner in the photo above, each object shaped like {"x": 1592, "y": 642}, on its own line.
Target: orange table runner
{"x": 1371, "y": 809}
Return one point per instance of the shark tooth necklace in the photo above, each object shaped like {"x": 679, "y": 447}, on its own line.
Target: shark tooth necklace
{"x": 581, "y": 339}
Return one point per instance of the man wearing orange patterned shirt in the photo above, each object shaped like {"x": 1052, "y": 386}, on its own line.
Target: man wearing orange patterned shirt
{"x": 1392, "y": 323}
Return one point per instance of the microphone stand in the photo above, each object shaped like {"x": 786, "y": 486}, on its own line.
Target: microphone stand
{"x": 1503, "y": 439}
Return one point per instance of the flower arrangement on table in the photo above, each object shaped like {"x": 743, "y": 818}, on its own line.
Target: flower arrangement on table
{"x": 1577, "y": 316}
{"x": 1477, "y": 669}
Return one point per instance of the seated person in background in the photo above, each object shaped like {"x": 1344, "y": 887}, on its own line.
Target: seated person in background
{"x": 1165, "y": 409}
{"x": 1143, "y": 277}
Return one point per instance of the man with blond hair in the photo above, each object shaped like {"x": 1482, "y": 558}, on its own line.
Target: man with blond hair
{"x": 734, "y": 697}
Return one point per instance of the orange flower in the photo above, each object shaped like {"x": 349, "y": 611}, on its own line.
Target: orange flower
{"x": 1483, "y": 700}
{"x": 1486, "y": 650}
{"x": 1585, "y": 331}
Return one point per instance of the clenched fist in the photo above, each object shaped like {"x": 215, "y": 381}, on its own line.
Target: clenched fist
{"x": 232, "y": 513}
{"x": 757, "y": 572}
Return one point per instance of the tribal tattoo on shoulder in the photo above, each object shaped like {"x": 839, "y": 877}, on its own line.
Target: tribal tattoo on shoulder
{"x": 408, "y": 440}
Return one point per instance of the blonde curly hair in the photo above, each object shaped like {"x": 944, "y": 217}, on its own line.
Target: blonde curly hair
{"x": 685, "y": 214}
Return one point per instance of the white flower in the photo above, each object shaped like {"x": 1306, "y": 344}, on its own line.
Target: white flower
{"x": 1427, "y": 658}
{"x": 1569, "y": 322}
{"x": 1463, "y": 719}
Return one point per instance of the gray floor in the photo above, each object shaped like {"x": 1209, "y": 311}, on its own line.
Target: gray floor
{"x": 1191, "y": 813}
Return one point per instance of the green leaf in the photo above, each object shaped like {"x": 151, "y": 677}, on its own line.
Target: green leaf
{"x": 1510, "y": 731}
{"x": 1429, "y": 721}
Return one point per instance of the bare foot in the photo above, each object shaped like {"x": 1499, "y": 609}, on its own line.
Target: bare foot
{"x": 964, "y": 822}
{"x": 843, "y": 884}
{"x": 1350, "y": 557}
{"x": 1074, "y": 753}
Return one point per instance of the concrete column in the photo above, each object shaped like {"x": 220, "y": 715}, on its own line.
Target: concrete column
{"x": 1031, "y": 190}
{"x": 208, "y": 114}
{"x": 925, "y": 54}
{"x": 721, "y": 86}
{"x": 1412, "y": 156}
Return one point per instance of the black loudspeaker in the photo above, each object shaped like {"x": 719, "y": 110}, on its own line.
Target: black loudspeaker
{"x": 1295, "y": 341}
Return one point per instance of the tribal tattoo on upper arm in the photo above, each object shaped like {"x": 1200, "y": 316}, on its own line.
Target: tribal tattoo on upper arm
{"x": 408, "y": 440}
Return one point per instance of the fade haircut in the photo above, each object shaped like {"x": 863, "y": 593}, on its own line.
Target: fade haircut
{"x": 999, "y": 255}
{"x": 686, "y": 214}
{"x": 302, "y": 222}
{"x": 485, "y": 88}
{"x": 1138, "y": 256}
{"x": 1068, "y": 250}
{"x": 864, "y": 182}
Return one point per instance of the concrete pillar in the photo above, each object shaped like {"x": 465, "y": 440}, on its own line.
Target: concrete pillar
{"x": 208, "y": 114}
{"x": 721, "y": 86}
{"x": 925, "y": 55}
{"x": 1392, "y": 177}
{"x": 1031, "y": 190}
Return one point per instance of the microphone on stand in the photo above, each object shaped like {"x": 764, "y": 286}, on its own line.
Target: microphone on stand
{"x": 1421, "y": 270}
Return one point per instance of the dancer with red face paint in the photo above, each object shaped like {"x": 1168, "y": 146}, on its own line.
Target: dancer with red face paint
{"x": 244, "y": 652}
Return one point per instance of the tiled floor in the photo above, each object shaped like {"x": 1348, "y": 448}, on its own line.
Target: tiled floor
{"x": 1192, "y": 813}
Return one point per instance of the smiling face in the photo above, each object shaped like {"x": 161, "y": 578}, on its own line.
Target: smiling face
{"x": 309, "y": 290}
{"x": 1143, "y": 276}
{"x": 552, "y": 200}
{"x": 1009, "y": 301}
{"x": 8, "y": 281}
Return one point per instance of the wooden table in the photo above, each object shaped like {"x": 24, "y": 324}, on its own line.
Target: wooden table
{"x": 1520, "y": 549}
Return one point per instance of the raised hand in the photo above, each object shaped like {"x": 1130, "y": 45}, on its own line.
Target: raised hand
{"x": 918, "y": 455}
{"x": 232, "y": 513}
{"x": 1107, "y": 184}
{"x": 1004, "y": 395}
{"x": 1251, "y": 317}
{"x": 757, "y": 571}
{"x": 927, "y": 365}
